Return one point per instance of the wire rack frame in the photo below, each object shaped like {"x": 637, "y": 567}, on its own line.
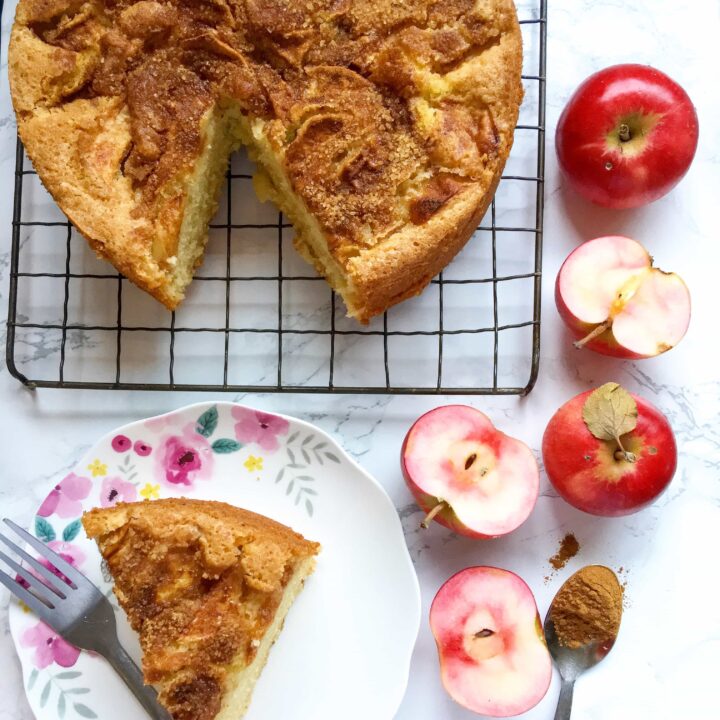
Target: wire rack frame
{"x": 442, "y": 333}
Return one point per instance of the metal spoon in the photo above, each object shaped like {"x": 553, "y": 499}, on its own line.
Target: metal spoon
{"x": 572, "y": 662}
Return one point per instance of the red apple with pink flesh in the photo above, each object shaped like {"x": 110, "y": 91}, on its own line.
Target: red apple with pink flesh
{"x": 468, "y": 475}
{"x": 611, "y": 455}
{"x": 493, "y": 657}
{"x": 616, "y": 303}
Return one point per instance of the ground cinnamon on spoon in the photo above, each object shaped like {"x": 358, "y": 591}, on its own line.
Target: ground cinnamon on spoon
{"x": 588, "y": 607}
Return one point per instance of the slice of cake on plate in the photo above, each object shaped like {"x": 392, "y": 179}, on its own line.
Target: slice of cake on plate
{"x": 207, "y": 586}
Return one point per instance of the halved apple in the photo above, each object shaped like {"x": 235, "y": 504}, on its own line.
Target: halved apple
{"x": 615, "y": 302}
{"x": 490, "y": 641}
{"x": 467, "y": 474}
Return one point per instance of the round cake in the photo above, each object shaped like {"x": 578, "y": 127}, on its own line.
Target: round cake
{"x": 379, "y": 127}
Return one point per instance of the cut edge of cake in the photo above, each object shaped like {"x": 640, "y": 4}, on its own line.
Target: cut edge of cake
{"x": 241, "y": 680}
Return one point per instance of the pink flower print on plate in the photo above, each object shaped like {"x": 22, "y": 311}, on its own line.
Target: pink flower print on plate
{"x": 115, "y": 490}
{"x": 260, "y": 428}
{"x": 65, "y": 498}
{"x": 49, "y": 647}
{"x": 121, "y": 443}
{"x": 182, "y": 459}
{"x": 67, "y": 551}
{"x": 160, "y": 423}
{"x": 141, "y": 448}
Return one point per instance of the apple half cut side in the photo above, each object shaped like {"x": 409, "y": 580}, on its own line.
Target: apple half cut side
{"x": 467, "y": 474}
{"x": 490, "y": 642}
{"x": 615, "y": 302}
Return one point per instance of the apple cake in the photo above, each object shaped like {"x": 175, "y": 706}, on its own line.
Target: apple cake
{"x": 207, "y": 586}
{"x": 379, "y": 127}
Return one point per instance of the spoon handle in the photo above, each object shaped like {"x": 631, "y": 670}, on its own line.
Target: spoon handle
{"x": 564, "y": 706}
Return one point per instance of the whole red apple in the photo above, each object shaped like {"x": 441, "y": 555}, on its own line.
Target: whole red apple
{"x": 609, "y": 452}
{"x": 627, "y": 136}
{"x": 490, "y": 642}
{"x": 615, "y": 302}
{"x": 467, "y": 475}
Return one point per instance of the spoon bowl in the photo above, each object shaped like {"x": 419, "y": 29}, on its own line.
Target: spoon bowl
{"x": 573, "y": 661}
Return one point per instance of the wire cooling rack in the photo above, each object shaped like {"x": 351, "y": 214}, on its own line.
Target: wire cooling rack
{"x": 257, "y": 319}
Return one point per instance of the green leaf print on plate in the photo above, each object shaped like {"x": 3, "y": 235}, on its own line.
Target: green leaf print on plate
{"x": 302, "y": 454}
{"x": 44, "y": 530}
{"x": 63, "y": 701}
{"x": 223, "y": 446}
{"x": 84, "y": 710}
{"x": 71, "y": 530}
{"x": 207, "y": 423}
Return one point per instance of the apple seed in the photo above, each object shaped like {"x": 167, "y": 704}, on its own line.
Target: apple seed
{"x": 486, "y": 632}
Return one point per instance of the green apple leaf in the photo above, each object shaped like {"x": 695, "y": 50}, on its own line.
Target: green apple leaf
{"x": 610, "y": 412}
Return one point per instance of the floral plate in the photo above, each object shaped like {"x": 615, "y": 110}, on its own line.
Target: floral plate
{"x": 346, "y": 646}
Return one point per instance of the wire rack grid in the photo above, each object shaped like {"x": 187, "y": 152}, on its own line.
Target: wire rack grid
{"x": 258, "y": 320}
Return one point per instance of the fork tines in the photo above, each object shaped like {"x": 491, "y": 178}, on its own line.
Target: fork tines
{"x": 43, "y": 589}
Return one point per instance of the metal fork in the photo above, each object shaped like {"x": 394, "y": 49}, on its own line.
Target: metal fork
{"x": 75, "y": 609}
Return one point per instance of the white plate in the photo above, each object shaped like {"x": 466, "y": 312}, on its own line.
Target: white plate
{"x": 346, "y": 646}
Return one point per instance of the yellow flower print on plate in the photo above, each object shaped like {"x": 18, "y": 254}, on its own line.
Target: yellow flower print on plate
{"x": 150, "y": 492}
{"x": 253, "y": 464}
{"x": 97, "y": 468}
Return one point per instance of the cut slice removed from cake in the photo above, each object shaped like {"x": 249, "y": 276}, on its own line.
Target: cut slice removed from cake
{"x": 207, "y": 586}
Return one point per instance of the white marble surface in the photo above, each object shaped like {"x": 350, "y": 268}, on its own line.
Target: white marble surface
{"x": 666, "y": 660}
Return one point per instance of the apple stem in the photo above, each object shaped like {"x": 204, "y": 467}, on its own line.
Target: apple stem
{"x": 595, "y": 332}
{"x": 624, "y": 132}
{"x": 623, "y": 454}
{"x": 429, "y": 517}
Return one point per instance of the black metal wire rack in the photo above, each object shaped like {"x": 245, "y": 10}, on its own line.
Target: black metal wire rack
{"x": 258, "y": 320}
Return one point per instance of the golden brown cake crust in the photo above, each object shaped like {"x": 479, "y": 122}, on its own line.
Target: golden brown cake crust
{"x": 200, "y": 582}
{"x": 392, "y": 120}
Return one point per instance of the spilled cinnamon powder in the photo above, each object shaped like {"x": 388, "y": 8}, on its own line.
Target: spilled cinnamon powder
{"x": 588, "y": 607}
{"x": 569, "y": 547}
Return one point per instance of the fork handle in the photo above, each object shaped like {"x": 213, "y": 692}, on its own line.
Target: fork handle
{"x": 564, "y": 706}
{"x": 132, "y": 677}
